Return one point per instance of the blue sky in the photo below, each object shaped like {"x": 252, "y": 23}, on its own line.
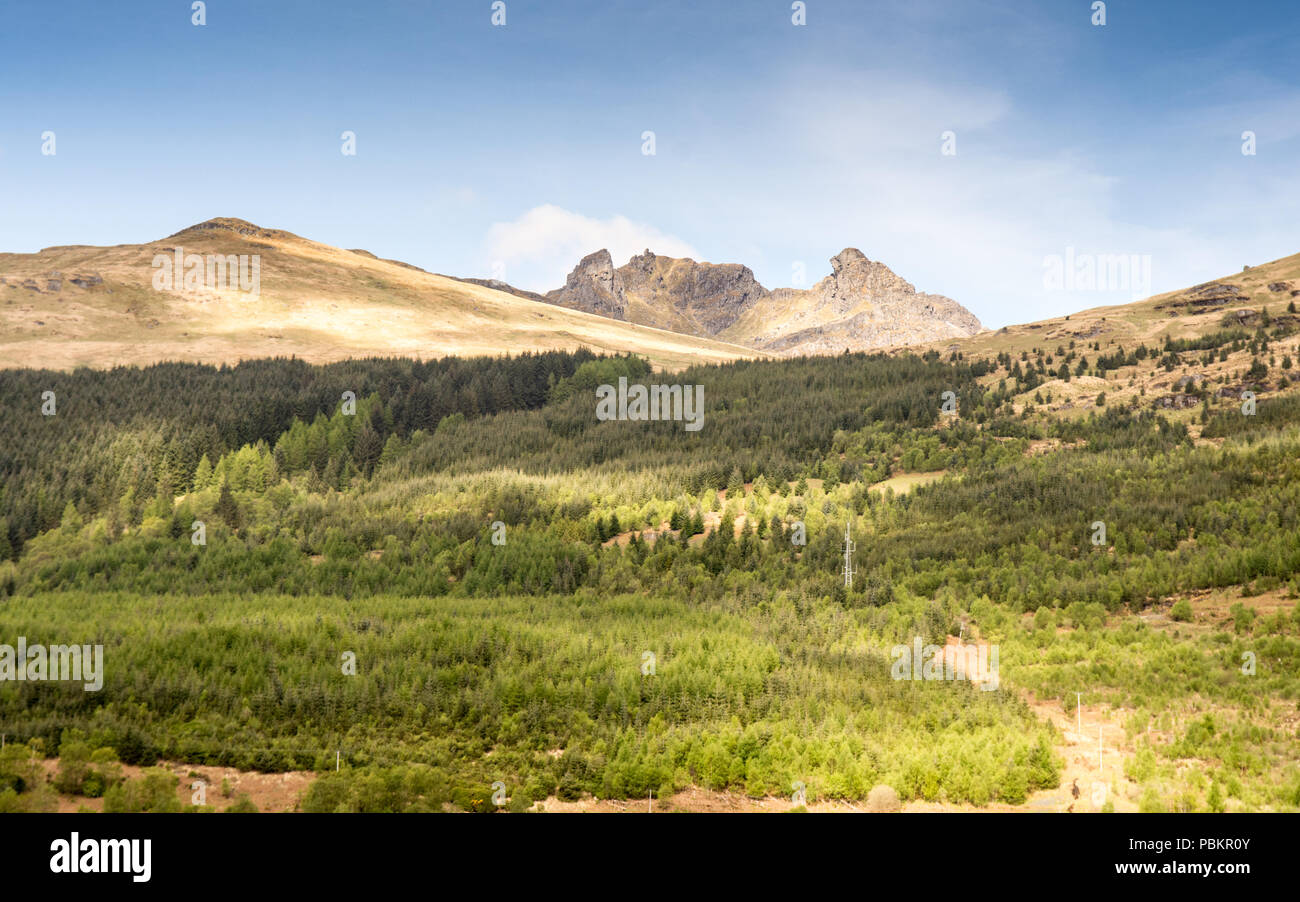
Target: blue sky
{"x": 520, "y": 146}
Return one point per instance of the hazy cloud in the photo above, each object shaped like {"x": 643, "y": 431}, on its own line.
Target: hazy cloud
{"x": 540, "y": 247}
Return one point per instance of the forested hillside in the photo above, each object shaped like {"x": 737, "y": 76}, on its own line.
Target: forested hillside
{"x": 499, "y": 562}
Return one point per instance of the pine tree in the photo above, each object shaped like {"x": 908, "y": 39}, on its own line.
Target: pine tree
{"x": 392, "y": 449}
{"x": 367, "y": 449}
{"x": 114, "y": 522}
{"x": 736, "y": 483}
{"x": 161, "y": 505}
{"x": 203, "y": 474}
{"x": 226, "y": 508}
{"x": 1214, "y": 802}
{"x": 71, "y": 521}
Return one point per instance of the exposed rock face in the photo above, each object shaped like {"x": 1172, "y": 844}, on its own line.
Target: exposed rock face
{"x": 240, "y": 227}
{"x": 498, "y": 285}
{"x": 862, "y": 304}
{"x": 708, "y": 297}
{"x": 1208, "y": 295}
{"x": 854, "y": 278}
{"x": 594, "y": 286}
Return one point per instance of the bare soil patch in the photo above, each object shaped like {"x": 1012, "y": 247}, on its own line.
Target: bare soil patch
{"x": 269, "y": 792}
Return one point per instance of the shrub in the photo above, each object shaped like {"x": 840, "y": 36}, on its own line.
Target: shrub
{"x": 1150, "y": 802}
{"x": 1214, "y": 801}
{"x": 1141, "y": 766}
{"x": 22, "y": 786}
{"x": 413, "y": 787}
{"x": 883, "y": 799}
{"x": 1242, "y": 617}
{"x": 74, "y": 765}
{"x": 154, "y": 791}
{"x": 242, "y": 805}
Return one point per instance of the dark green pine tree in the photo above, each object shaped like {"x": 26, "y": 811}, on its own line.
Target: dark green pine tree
{"x": 367, "y": 449}
{"x": 227, "y": 509}
{"x": 736, "y": 484}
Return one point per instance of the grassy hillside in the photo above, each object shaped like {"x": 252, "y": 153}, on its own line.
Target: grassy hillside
{"x": 1261, "y": 296}
{"x": 96, "y": 306}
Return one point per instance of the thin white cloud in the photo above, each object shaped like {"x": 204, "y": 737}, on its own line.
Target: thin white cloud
{"x": 539, "y": 248}
{"x": 977, "y": 226}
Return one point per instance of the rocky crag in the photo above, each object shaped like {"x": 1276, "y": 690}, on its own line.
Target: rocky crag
{"x": 861, "y": 305}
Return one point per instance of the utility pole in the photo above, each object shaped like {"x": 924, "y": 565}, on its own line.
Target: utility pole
{"x": 848, "y": 555}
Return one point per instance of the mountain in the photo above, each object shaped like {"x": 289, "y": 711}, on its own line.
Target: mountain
{"x": 594, "y": 286}
{"x": 1213, "y": 329}
{"x": 97, "y": 306}
{"x": 1238, "y": 300}
{"x": 861, "y": 305}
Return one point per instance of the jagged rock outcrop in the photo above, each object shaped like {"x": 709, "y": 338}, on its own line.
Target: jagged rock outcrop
{"x": 707, "y": 298}
{"x": 594, "y": 286}
{"x": 862, "y": 303}
{"x": 854, "y": 279}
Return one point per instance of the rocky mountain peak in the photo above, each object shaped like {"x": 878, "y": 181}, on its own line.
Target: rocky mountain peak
{"x": 240, "y": 227}
{"x": 595, "y": 286}
{"x": 850, "y": 256}
{"x": 855, "y": 278}
{"x": 861, "y": 304}
{"x": 596, "y": 260}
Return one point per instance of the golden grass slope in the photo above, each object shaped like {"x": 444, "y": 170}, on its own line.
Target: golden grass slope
{"x": 1177, "y": 314}
{"x": 96, "y": 306}
{"x": 1235, "y": 301}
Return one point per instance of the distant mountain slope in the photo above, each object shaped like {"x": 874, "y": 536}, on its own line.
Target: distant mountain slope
{"x": 1237, "y": 300}
{"x": 861, "y": 305}
{"x": 1208, "y": 343}
{"x": 97, "y": 306}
